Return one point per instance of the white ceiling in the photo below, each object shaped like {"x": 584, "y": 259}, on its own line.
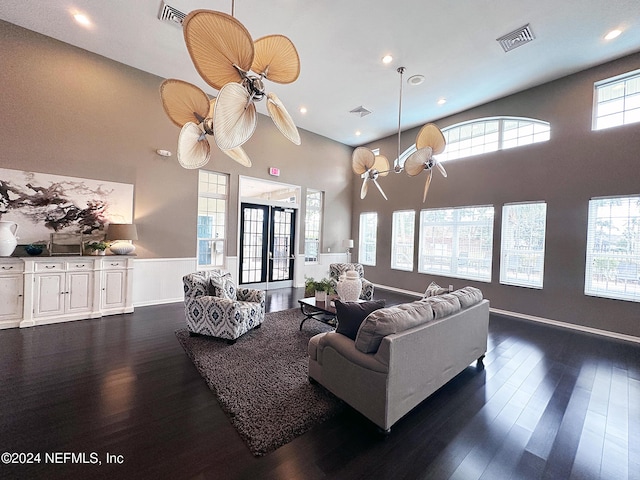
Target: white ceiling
{"x": 341, "y": 43}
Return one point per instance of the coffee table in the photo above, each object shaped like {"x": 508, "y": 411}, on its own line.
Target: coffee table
{"x": 320, "y": 311}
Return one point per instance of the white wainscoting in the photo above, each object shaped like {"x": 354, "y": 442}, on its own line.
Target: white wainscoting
{"x": 317, "y": 270}
{"x": 159, "y": 280}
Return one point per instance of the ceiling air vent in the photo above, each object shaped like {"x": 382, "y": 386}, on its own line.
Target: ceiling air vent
{"x": 170, "y": 14}
{"x": 516, "y": 38}
{"x": 360, "y": 111}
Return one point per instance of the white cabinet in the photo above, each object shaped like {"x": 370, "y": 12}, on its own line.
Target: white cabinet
{"x": 11, "y": 293}
{"x": 75, "y": 288}
{"x": 116, "y": 285}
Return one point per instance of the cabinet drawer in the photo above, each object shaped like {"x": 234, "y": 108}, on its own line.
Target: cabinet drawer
{"x": 11, "y": 267}
{"x": 75, "y": 266}
{"x": 113, "y": 264}
{"x": 49, "y": 266}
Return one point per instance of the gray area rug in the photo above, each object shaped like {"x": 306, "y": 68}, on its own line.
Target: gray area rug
{"x": 261, "y": 380}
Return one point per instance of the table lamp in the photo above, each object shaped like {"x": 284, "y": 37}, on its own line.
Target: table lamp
{"x": 121, "y": 234}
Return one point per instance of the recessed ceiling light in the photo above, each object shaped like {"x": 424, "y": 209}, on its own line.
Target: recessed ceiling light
{"x": 303, "y": 109}
{"x": 415, "y": 80}
{"x": 442, "y": 101}
{"x": 612, "y": 34}
{"x": 82, "y": 19}
{"x": 387, "y": 59}
{"x": 358, "y": 133}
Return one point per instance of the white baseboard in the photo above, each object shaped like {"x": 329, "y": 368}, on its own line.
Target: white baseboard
{"x": 532, "y": 318}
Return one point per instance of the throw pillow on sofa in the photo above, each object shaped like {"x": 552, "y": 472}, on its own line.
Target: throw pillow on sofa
{"x": 387, "y": 321}
{"x": 434, "y": 289}
{"x": 352, "y": 314}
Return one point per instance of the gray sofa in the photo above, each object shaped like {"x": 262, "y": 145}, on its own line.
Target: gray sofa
{"x": 402, "y": 354}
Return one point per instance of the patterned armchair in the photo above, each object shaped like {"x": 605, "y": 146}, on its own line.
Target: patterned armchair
{"x": 214, "y": 306}
{"x": 337, "y": 269}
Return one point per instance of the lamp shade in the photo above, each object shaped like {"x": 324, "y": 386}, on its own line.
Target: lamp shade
{"x": 347, "y": 243}
{"x": 122, "y": 231}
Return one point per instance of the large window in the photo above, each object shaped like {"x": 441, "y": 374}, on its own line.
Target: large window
{"x": 367, "y": 240}
{"x": 312, "y": 223}
{"x": 613, "y": 248}
{"x": 402, "y": 240}
{"x": 617, "y": 101}
{"x": 522, "y": 246}
{"x": 488, "y": 135}
{"x": 212, "y": 218}
{"x": 457, "y": 242}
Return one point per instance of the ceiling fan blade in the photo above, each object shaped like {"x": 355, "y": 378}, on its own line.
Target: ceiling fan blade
{"x": 234, "y": 117}
{"x": 441, "y": 168}
{"x": 417, "y": 161}
{"x": 427, "y": 183}
{"x": 381, "y": 164}
{"x": 282, "y": 119}
{"x": 431, "y": 136}
{"x": 239, "y": 155}
{"x": 183, "y": 102}
{"x": 193, "y": 148}
{"x": 362, "y": 160}
{"x": 276, "y": 58}
{"x": 365, "y": 188}
{"x": 216, "y": 41}
{"x": 380, "y": 188}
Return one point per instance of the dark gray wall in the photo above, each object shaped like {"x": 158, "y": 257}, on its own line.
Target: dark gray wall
{"x": 66, "y": 111}
{"x": 568, "y": 170}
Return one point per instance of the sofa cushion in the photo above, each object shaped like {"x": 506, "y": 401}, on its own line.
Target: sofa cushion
{"x": 434, "y": 289}
{"x": 444, "y": 305}
{"x": 468, "y": 296}
{"x": 352, "y": 314}
{"x": 387, "y": 321}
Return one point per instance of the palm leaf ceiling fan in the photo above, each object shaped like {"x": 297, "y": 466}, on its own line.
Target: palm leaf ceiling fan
{"x": 225, "y": 55}
{"x": 429, "y": 142}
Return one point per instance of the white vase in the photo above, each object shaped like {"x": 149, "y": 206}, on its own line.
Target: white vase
{"x": 8, "y": 239}
{"x": 349, "y": 286}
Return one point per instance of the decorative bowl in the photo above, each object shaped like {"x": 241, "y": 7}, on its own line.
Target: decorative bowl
{"x": 34, "y": 249}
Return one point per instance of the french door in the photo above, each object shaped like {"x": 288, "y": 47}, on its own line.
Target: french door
{"x": 267, "y": 237}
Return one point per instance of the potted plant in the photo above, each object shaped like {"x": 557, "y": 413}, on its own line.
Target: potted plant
{"x": 318, "y": 288}
{"x": 97, "y": 248}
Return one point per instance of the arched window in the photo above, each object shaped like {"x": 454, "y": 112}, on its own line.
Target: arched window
{"x": 488, "y": 135}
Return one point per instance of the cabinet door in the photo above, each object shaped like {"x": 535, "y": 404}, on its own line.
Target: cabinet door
{"x": 49, "y": 294}
{"x": 114, "y": 289}
{"x": 11, "y": 295}
{"x": 78, "y": 292}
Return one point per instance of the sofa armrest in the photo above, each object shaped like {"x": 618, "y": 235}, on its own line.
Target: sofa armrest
{"x": 346, "y": 347}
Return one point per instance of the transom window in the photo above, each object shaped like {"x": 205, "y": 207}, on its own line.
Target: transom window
{"x": 368, "y": 238}
{"x": 617, "y": 101}
{"x": 488, "y": 135}
{"x": 522, "y": 244}
{"x": 402, "y": 235}
{"x": 212, "y": 218}
{"x": 613, "y": 248}
{"x": 457, "y": 242}
{"x": 312, "y": 224}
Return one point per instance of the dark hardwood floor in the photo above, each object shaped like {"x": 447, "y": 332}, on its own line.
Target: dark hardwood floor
{"x": 548, "y": 404}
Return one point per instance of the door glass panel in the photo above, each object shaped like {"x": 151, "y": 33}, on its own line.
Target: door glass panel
{"x": 282, "y": 240}
{"x": 254, "y": 245}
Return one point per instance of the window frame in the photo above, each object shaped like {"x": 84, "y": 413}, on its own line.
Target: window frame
{"x": 527, "y": 260}
{"x": 308, "y": 259}
{"x": 366, "y": 256}
{"x": 395, "y": 236}
{"x": 631, "y": 114}
{"x": 219, "y": 258}
{"x": 610, "y": 264}
{"x": 453, "y": 259}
